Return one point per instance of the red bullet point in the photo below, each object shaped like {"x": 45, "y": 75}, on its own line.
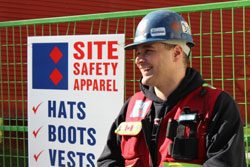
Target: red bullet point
{"x": 36, "y": 108}
{"x": 35, "y": 132}
{"x": 36, "y": 156}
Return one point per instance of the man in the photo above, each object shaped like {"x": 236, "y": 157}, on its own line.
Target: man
{"x": 176, "y": 119}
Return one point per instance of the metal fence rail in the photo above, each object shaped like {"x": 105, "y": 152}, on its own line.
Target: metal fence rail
{"x": 222, "y": 54}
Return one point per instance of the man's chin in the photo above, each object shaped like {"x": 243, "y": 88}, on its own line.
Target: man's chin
{"x": 146, "y": 81}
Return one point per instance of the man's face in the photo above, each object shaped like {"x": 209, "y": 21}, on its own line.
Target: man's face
{"x": 155, "y": 62}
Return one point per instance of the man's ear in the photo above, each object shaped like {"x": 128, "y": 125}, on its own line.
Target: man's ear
{"x": 178, "y": 52}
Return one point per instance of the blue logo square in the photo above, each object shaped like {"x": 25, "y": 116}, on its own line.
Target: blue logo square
{"x": 50, "y": 66}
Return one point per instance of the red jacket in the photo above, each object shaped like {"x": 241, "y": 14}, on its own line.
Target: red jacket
{"x": 224, "y": 134}
{"x": 134, "y": 148}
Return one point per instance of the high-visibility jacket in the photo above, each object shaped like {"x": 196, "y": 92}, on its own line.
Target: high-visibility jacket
{"x": 133, "y": 144}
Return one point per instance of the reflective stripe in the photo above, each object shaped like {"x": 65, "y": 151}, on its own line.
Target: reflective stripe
{"x": 180, "y": 164}
{"x": 208, "y": 85}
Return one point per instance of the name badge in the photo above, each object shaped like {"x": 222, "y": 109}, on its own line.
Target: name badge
{"x": 129, "y": 128}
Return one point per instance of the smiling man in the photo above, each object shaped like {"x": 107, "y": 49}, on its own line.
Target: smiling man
{"x": 176, "y": 119}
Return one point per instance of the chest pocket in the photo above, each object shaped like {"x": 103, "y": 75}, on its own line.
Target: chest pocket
{"x": 132, "y": 143}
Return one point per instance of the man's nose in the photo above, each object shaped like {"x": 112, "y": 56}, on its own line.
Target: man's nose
{"x": 140, "y": 59}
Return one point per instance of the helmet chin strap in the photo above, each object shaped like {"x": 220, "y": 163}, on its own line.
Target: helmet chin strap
{"x": 183, "y": 45}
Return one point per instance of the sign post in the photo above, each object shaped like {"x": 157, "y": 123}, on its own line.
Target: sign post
{"x": 75, "y": 91}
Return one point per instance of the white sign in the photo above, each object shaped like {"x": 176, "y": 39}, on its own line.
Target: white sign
{"x": 75, "y": 91}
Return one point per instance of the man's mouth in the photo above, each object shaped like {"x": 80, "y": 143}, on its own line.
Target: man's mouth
{"x": 146, "y": 69}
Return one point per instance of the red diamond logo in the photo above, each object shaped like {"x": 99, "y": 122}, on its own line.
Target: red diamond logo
{"x": 56, "y": 76}
{"x": 56, "y": 54}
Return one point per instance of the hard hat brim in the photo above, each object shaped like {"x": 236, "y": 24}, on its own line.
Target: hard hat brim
{"x": 135, "y": 44}
{"x": 147, "y": 41}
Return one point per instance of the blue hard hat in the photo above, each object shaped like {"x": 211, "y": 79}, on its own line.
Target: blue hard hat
{"x": 162, "y": 25}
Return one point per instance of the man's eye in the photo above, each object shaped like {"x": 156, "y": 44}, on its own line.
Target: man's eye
{"x": 144, "y": 52}
{"x": 149, "y": 51}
